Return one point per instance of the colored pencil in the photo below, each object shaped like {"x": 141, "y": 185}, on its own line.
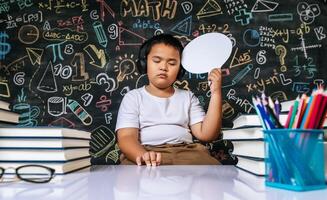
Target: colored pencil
{"x": 295, "y": 107}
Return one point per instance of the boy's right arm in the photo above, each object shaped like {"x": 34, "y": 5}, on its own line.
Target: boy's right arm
{"x": 128, "y": 141}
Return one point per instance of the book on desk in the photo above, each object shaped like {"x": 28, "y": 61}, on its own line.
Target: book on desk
{"x": 7, "y": 117}
{"x": 43, "y": 132}
{"x": 4, "y": 105}
{"x": 62, "y": 149}
{"x": 248, "y": 141}
{"x": 60, "y": 167}
{"x": 43, "y": 143}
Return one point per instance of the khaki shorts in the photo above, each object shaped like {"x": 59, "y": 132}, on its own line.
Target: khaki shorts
{"x": 179, "y": 154}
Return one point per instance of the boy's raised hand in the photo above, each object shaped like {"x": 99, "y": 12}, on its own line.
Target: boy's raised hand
{"x": 215, "y": 79}
{"x": 150, "y": 158}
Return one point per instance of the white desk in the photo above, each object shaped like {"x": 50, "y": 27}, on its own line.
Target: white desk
{"x": 164, "y": 182}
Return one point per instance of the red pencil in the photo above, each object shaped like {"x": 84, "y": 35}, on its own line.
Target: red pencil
{"x": 310, "y": 111}
{"x": 297, "y": 120}
{"x": 323, "y": 115}
{"x": 289, "y": 116}
{"x": 313, "y": 117}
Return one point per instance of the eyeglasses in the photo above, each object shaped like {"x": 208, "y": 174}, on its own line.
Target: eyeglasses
{"x": 31, "y": 173}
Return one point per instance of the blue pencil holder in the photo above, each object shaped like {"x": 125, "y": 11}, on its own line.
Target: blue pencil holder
{"x": 294, "y": 159}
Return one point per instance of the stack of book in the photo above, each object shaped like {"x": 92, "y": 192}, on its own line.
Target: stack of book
{"x": 62, "y": 149}
{"x": 7, "y": 117}
{"x": 248, "y": 147}
{"x": 248, "y": 141}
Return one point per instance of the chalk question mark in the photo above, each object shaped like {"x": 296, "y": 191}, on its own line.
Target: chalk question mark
{"x": 281, "y": 52}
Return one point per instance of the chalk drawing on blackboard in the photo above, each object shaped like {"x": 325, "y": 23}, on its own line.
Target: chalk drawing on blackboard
{"x": 319, "y": 82}
{"x": 35, "y": 55}
{"x": 281, "y": 17}
{"x": 56, "y": 50}
{"x": 264, "y": 6}
{"x": 307, "y": 12}
{"x": 244, "y": 17}
{"x": 261, "y": 58}
{"x": 104, "y": 79}
{"x": 183, "y": 27}
{"x": 284, "y": 80}
{"x": 48, "y": 82}
{"x": 210, "y": 8}
{"x": 62, "y": 122}
{"x": 80, "y": 112}
{"x": 319, "y": 31}
{"x": 105, "y": 7}
{"x": 301, "y": 87}
{"x": 5, "y": 47}
{"x": 87, "y": 99}
{"x": 280, "y": 95}
{"x": 251, "y": 37}
{"x": 57, "y": 106}
{"x": 125, "y": 68}
{"x": 108, "y": 117}
{"x": 69, "y": 49}
{"x": 101, "y": 35}
{"x": 4, "y": 89}
{"x": 227, "y": 110}
{"x": 127, "y": 37}
{"x": 281, "y": 53}
{"x": 257, "y": 72}
{"x": 46, "y": 26}
{"x": 103, "y": 103}
{"x": 113, "y": 31}
{"x": 79, "y": 63}
{"x": 187, "y": 7}
{"x": 65, "y": 72}
{"x": 14, "y": 66}
{"x": 182, "y": 84}
{"x": 240, "y": 75}
{"x": 19, "y": 78}
{"x": 28, "y": 34}
{"x": 97, "y": 56}
{"x": 242, "y": 59}
{"x": 102, "y": 139}
{"x": 113, "y": 154}
{"x": 158, "y": 32}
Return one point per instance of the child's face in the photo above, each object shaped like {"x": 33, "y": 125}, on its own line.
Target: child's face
{"x": 163, "y": 63}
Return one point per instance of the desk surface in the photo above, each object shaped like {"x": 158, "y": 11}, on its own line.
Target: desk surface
{"x": 164, "y": 182}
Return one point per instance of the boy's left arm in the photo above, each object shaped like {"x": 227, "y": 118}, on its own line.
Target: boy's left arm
{"x": 209, "y": 129}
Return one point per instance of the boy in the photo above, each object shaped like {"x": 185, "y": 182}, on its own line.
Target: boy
{"x": 155, "y": 123}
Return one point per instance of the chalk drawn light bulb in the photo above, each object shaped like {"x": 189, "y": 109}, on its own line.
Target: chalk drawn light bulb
{"x": 126, "y": 67}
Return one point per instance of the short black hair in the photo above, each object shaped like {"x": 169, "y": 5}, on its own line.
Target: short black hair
{"x": 146, "y": 47}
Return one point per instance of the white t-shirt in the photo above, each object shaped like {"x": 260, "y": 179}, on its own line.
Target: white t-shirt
{"x": 160, "y": 120}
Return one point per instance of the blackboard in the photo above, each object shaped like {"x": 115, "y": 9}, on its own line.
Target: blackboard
{"x": 69, "y": 63}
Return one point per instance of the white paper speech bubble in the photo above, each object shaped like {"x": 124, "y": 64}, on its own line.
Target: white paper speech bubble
{"x": 206, "y": 52}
